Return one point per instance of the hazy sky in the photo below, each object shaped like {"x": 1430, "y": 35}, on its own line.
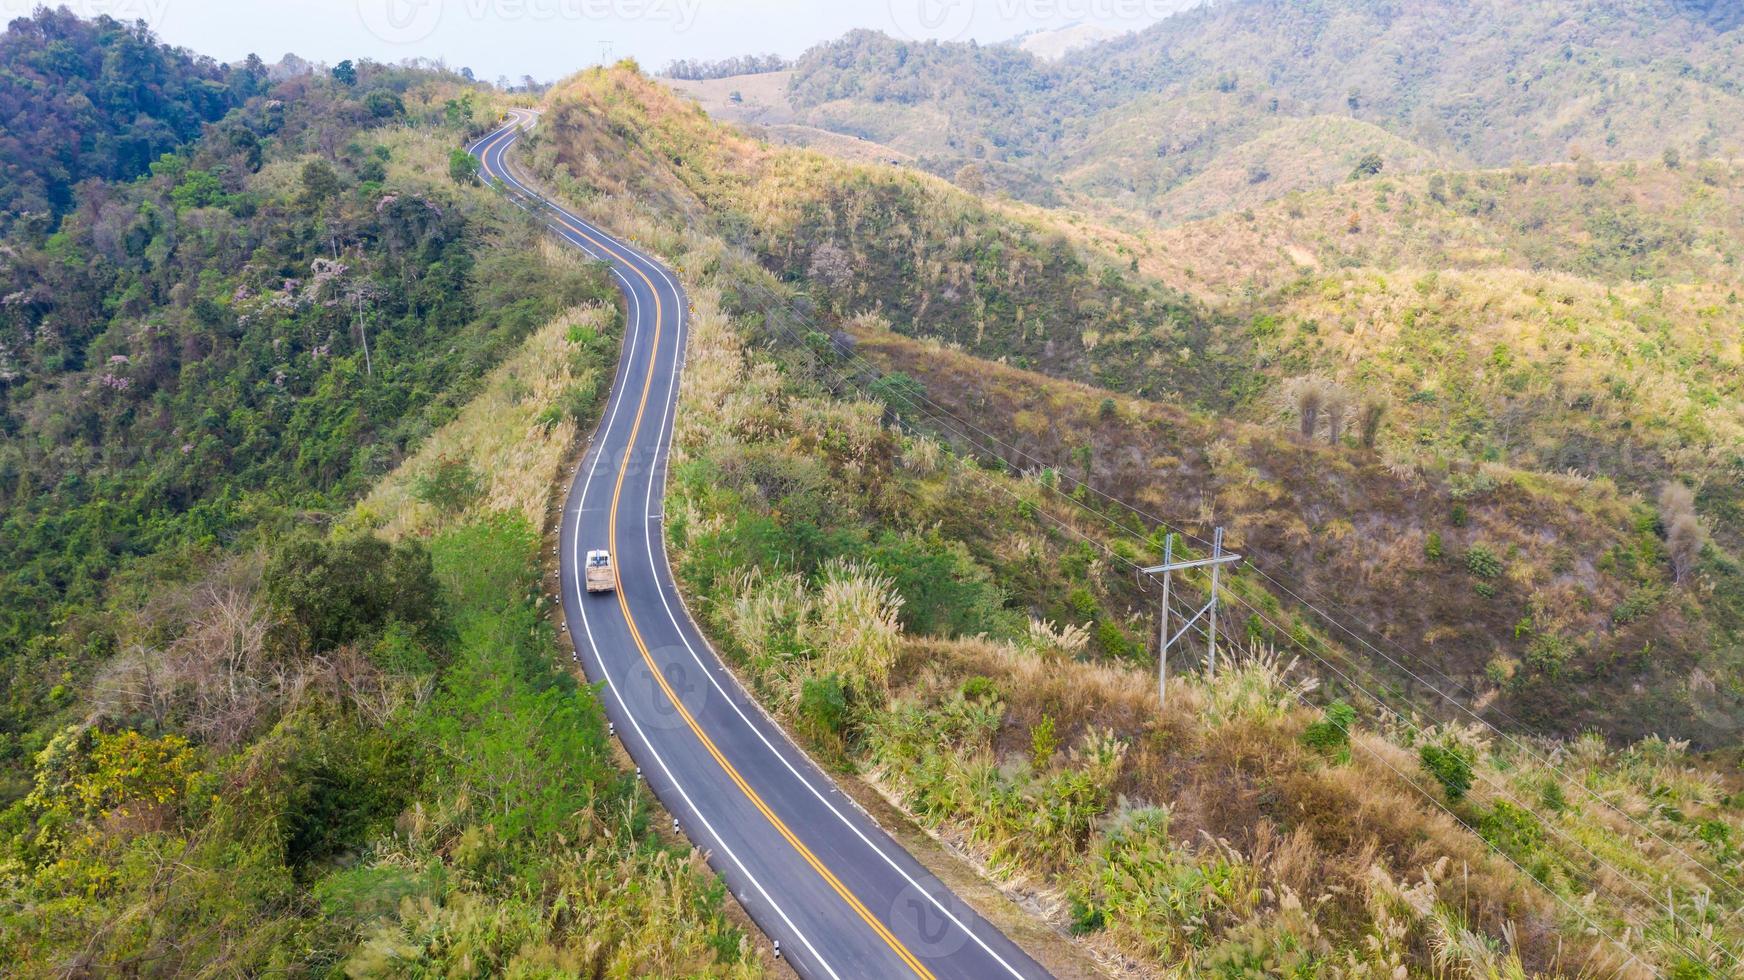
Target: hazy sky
{"x": 549, "y": 38}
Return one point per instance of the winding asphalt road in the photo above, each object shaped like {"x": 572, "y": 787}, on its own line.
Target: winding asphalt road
{"x": 816, "y": 873}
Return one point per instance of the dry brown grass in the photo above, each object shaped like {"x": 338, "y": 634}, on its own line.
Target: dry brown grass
{"x": 500, "y": 433}
{"x": 1285, "y": 500}
{"x": 1329, "y": 835}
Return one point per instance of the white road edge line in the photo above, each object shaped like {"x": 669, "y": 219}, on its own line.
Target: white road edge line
{"x": 581, "y": 604}
{"x": 683, "y": 637}
{"x": 672, "y": 398}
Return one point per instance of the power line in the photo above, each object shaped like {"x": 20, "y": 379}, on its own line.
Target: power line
{"x": 853, "y": 384}
{"x": 1495, "y": 786}
{"x": 1542, "y": 760}
{"x": 1624, "y": 911}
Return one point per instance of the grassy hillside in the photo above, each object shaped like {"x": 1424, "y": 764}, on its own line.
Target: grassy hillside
{"x": 1561, "y": 320}
{"x": 1492, "y": 82}
{"x": 1551, "y": 638}
{"x": 1627, "y": 223}
{"x": 935, "y": 260}
{"x": 1210, "y": 163}
{"x": 944, "y": 630}
{"x": 1141, "y": 116}
{"x": 1477, "y": 398}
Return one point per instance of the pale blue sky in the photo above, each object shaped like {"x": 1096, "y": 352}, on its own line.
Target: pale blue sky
{"x": 549, "y": 38}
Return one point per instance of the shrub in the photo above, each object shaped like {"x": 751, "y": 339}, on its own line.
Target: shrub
{"x": 1685, "y": 535}
{"x": 1552, "y": 796}
{"x": 945, "y": 592}
{"x": 1042, "y": 743}
{"x": 1450, "y": 766}
{"x": 979, "y": 688}
{"x": 1482, "y": 562}
{"x": 898, "y": 391}
{"x": 1113, "y": 639}
{"x": 1370, "y": 165}
{"x": 462, "y": 167}
{"x": 1432, "y": 548}
{"x": 577, "y": 400}
{"x": 1715, "y": 833}
{"x": 1369, "y": 421}
{"x": 823, "y": 704}
{"x": 1086, "y": 918}
{"x": 1331, "y": 734}
{"x": 450, "y": 486}
{"x": 1549, "y": 652}
{"x": 1640, "y": 601}
{"x": 1309, "y": 397}
{"x": 1083, "y": 603}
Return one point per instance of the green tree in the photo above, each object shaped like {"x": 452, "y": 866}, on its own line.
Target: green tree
{"x": 458, "y": 112}
{"x": 320, "y": 182}
{"x": 326, "y": 593}
{"x": 383, "y": 104}
{"x": 450, "y": 486}
{"x": 1370, "y": 165}
{"x": 462, "y": 167}
{"x": 345, "y": 73}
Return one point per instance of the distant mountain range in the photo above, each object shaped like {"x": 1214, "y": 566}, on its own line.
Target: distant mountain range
{"x": 1245, "y": 100}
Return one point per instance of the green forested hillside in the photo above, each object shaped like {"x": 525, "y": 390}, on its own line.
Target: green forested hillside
{"x": 97, "y": 98}
{"x": 246, "y": 728}
{"x": 286, "y": 396}
{"x": 184, "y": 354}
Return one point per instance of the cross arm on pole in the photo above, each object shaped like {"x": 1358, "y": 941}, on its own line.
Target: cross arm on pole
{"x": 1166, "y": 638}
{"x": 1178, "y": 566}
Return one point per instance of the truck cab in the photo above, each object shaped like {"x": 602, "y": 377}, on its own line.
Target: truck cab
{"x": 598, "y": 571}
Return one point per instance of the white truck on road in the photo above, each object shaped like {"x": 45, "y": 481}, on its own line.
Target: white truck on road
{"x": 598, "y": 572}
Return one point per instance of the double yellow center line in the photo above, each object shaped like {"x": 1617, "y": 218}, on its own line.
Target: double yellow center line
{"x": 775, "y": 821}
